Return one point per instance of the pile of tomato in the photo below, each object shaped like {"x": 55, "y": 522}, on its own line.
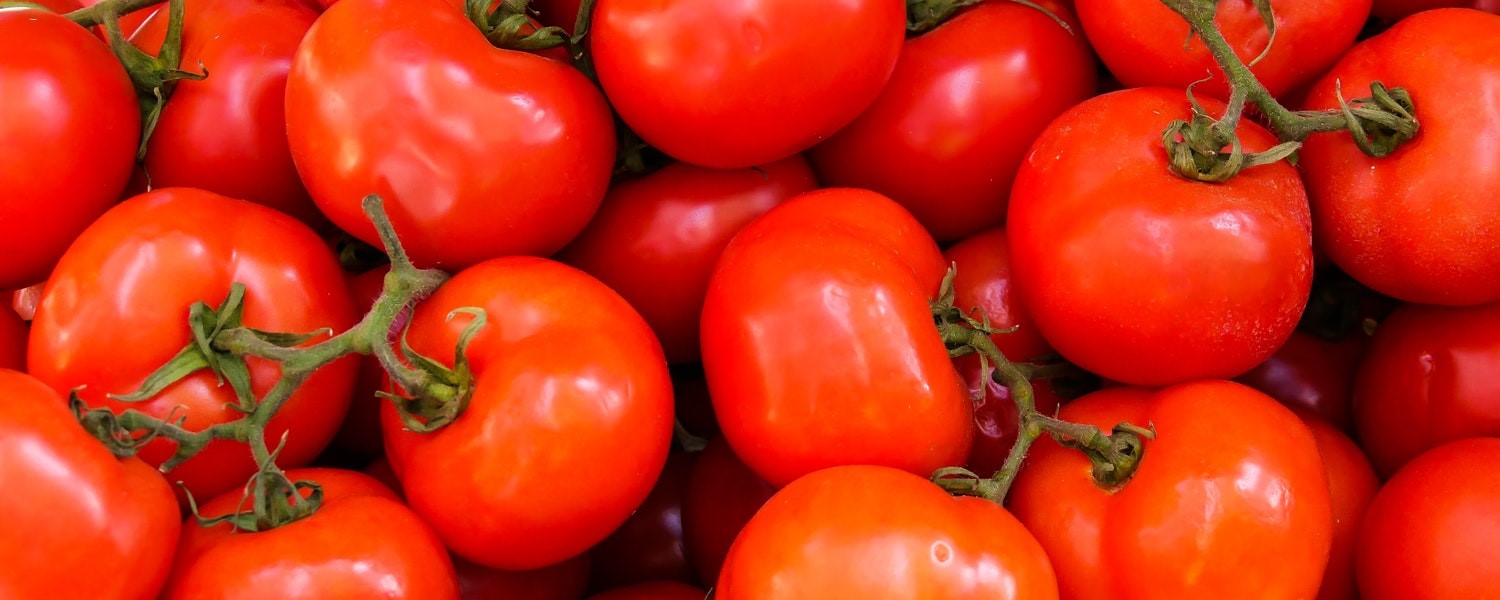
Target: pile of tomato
{"x": 872, "y": 299}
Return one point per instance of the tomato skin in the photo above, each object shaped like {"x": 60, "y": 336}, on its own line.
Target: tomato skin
{"x": 1313, "y": 374}
{"x": 12, "y": 340}
{"x": 143, "y": 264}
{"x": 722, "y": 495}
{"x": 1208, "y": 514}
{"x": 331, "y": 554}
{"x": 566, "y": 580}
{"x": 1395, "y": 10}
{"x": 70, "y": 125}
{"x": 1144, "y": 277}
{"x": 819, "y": 345}
{"x": 488, "y": 153}
{"x": 1352, "y": 484}
{"x": 1430, "y": 530}
{"x": 72, "y": 506}
{"x": 880, "y": 533}
{"x": 649, "y": 545}
{"x": 1391, "y": 223}
{"x": 557, "y": 13}
{"x": 656, "y": 238}
{"x": 654, "y": 590}
{"x": 360, "y": 433}
{"x": 481, "y": 481}
{"x": 946, "y": 135}
{"x": 995, "y": 416}
{"x": 731, "y": 84}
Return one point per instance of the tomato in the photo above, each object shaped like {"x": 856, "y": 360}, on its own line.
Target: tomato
{"x": 73, "y": 507}
{"x": 876, "y": 532}
{"x": 1351, "y": 485}
{"x": 568, "y": 380}
{"x": 61, "y": 7}
{"x": 478, "y": 152}
{"x": 1142, "y": 43}
{"x": 819, "y": 345}
{"x": 227, "y": 133}
{"x": 380, "y": 469}
{"x": 722, "y": 494}
{"x": 116, "y": 309}
{"x": 563, "y": 581}
{"x": 1417, "y": 225}
{"x": 983, "y": 282}
{"x": 649, "y": 545}
{"x": 359, "y": 435}
{"x": 361, "y": 543}
{"x": 558, "y": 13}
{"x": 1144, "y": 277}
{"x": 1229, "y": 501}
{"x": 655, "y": 590}
{"x": 70, "y": 125}
{"x": 736, "y": 84}
{"x": 12, "y": 340}
{"x": 1431, "y": 530}
{"x": 656, "y": 238}
{"x": 1395, "y": 10}
{"x": 995, "y": 414}
{"x": 966, "y": 100}
{"x": 1314, "y": 374}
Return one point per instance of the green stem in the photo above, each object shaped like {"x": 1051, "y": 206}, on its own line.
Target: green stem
{"x": 94, "y": 15}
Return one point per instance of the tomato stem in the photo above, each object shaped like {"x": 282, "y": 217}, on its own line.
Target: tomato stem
{"x": 94, "y": 15}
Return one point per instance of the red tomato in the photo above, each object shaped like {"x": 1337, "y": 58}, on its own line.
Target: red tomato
{"x": 819, "y": 343}
{"x": 964, "y": 104}
{"x": 362, "y": 543}
{"x": 1417, "y": 225}
{"x": 877, "y": 533}
{"x": 478, "y": 152}
{"x": 1313, "y": 374}
{"x": 61, "y": 7}
{"x": 649, "y": 545}
{"x": 360, "y": 433}
{"x": 655, "y": 590}
{"x": 71, "y": 507}
{"x": 70, "y": 125}
{"x": 656, "y": 238}
{"x": 127, "y": 283}
{"x": 722, "y": 494}
{"x": 1142, "y": 42}
{"x": 1144, "y": 277}
{"x": 983, "y": 282}
{"x": 1229, "y": 501}
{"x": 736, "y": 84}
{"x": 566, "y": 580}
{"x": 541, "y": 409}
{"x": 12, "y": 340}
{"x": 1430, "y": 532}
{"x": 995, "y": 415}
{"x": 1351, "y": 484}
{"x": 380, "y": 469}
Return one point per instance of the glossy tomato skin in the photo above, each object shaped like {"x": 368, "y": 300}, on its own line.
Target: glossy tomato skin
{"x": 359, "y": 435}
{"x": 1352, "y": 484}
{"x": 1313, "y": 374}
{"x": 566, "y": 580}
{"x": 656, "y": 238}
{"x": 996, "y": 418}
{"x": 12, "y": 340}
{"x": 1144, "y": 277}
{"x": 946, "y": 135}
{"x": 653, "y": 590}
{"x": 72, "y": 506}
{"x": 1431, "y": 530}
{"x": 1417, "y": 225}
{"x": 880, "y": 533}
{"x": 819, "y": 345}
{"x": 722, "y": 495}
{"x": 649, "y": 545}
{"x": 361, "y": 543}
{"x": 1230, "y": 500}
{"x": 736, "y": 84}
{"x": 144, "y": 263}
{"x": 478, "y": 152}
{"x": 71, "y": 125}
{"x": 568, "y": 379}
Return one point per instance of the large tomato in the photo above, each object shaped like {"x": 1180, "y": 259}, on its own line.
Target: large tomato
{"x": 1351, "y": 485}
{"x": 649, "y": 545}
{"x": 478, "y": 152}
{"x": 12, "y": 340}
{"x": 1229, "y": 501}
{"x": 70, "y": 125}
{"x": 116, "y": 309}
{"x": 819, "y": 344}
{"x": 966, "y": 100}
{"x": 1418, "y": 225}
{"x": 1144, "y": 277}
{"x": 72, "y": 508}
{"x": 722, "y": 495}
{"x": 737, "y": 84}
{"x": 568, "y": 381}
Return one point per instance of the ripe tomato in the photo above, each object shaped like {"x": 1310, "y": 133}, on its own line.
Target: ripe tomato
{"x": 1229, "y": 501}
{"x": 722, "y": 494}
{"x": 70, "y": 125}
{"x": 567, "y": 380}
{"x": 736, "y": 84}
{"x": 649, "y": 545}
{"x": 1430, "y": 532}
{"x": 359, "y": 435}
{"x": 654, "y": 590}
{"x": 1351, "y": 485}
{"x": 983, "y": 282}
{"x": 566, "y": 580}
{"x": 362, "y": 543}
{"x": 128, "y": 282}
{"x": 12, "y": 340}
{"x": 656, "y": 238}
{"x": 966, "y": 100}
{"x": 1142, "y": 42}
{"x": 1144, "y": 277}
{"x": 1313, "y": 374}
{"x": 819, "y": 343}
{"x": 71, "y": 506}
{"x": 478, "y": 152}
{"x": 1417, "y": 225}
{"x": 878, "y": 533}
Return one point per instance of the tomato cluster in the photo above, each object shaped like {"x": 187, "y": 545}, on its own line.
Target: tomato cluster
{"x": 657, "y": 299}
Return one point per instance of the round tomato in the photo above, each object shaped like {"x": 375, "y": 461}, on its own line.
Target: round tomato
{"x": 1229, "y": 501}
{"x": 655, "y": 590}
{"x": 722, "y": 494}
{"x": 1418, "y": 225}
{"x": 1351, "y": 485}
{"x": 1313, "y": 374}
{"x": 737, "y": 84}
{"x": 649, "y": 545}
{"x": 1144, "y": 277}
{"x": 568, "y": 380}
{"x": 116, "y": 309}
{"x": 359, "y": 435}
{"x": 566, "y": 580}
{"x": 12, "y": 340}
{"x": 71, "y": 507}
